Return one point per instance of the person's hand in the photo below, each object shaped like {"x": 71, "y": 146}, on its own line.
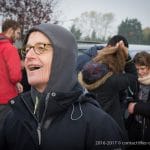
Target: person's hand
{"x": 131, "y": 107}
{"x": 121, "y": 45}
{"x": 19, "y": 87}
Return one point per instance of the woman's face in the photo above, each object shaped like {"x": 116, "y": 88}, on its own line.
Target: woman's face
{"x": 38, "y": 60}
{"x": 142, "y": 70}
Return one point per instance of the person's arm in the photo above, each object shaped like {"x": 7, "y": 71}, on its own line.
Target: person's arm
{"x": 13, "y": 63}
{"x": 139, "y": 108}
{"x": 142, "y": 108}
{"x": 131, "y": 107}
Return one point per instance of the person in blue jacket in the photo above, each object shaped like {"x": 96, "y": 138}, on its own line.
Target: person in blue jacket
{"x": 87, "y": 56}
{"x": 56, "y": 114}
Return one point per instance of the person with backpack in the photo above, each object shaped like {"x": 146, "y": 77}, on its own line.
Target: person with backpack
{"x": 139, "y": 109}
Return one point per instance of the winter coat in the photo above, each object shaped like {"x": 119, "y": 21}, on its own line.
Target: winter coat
{"x": 10, "y": 70}
{"x": 82, "y": 125}
{"x": 138, "y": 124}
{"x": 108, "y": 88}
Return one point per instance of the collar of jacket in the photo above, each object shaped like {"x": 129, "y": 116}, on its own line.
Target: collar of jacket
{"x": 59, "y": 102}
{"x": 56, "y": 102}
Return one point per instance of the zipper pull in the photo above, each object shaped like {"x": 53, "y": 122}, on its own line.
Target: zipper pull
{"x": 40, "y": 123}
{"x": 39, "y": 133}
{"x": 36, "y": 105}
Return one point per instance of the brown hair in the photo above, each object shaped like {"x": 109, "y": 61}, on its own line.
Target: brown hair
{"x": 9, "y": 23}
{"x": 142, "y": 58}
{"x": 114, "y": 57}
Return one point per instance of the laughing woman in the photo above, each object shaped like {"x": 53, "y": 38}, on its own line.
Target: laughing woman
{"x": 55, "y": 114}
{"x": 140, "y": 130}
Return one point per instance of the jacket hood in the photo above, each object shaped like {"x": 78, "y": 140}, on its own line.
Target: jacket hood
{"x": 71, "y": 102}
{"x": 95, "y": 84}
{"x": 63, "y": 77}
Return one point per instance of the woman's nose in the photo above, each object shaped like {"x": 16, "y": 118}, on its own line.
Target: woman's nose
{"x": 30, "y": 53}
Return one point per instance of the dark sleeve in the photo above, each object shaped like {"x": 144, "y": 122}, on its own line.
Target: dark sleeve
{"x": 142, "y": 109}
{"x": 103, "y": 132}
{"x": 13, "y": 64}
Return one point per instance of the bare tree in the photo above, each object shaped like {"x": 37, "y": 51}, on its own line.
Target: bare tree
{"x": 28, "y": 12}
{"x": 94, "y": 21}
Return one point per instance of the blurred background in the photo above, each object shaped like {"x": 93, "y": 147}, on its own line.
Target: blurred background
{"x": 88, "y": 20}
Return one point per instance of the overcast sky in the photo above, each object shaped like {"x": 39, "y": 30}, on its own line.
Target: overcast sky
{"x": 120, "y": 8}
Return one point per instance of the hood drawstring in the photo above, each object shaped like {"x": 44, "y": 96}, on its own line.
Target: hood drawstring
{"x": 73, "y": 111}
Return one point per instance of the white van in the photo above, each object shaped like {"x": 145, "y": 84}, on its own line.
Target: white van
{"x": 83, "y": 47}
{"x": 135, "y": 48}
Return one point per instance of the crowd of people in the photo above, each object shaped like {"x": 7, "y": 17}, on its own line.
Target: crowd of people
{"x": 51, "y": 98}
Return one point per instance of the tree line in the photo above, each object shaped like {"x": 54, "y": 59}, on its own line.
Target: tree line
{"x": 97, "y": 31}
{"x": 89, "y": 26}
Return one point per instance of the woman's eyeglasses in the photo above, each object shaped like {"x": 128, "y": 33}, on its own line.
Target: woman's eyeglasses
{"x": 38, "y": 48}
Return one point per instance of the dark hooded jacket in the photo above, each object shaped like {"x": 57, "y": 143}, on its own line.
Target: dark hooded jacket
{"x": 106, "y": 86}
{"x": 69, "y": 119}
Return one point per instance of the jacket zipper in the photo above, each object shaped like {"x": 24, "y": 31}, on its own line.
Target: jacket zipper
{"x": 39, "y": 123}
{"x": 42, "y": 120}
{"x": 39, "y": 133}
{"x": 29, "y": 109}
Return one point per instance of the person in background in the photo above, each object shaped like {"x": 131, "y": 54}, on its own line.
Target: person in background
{"x": 132, "y": 90}
{"x": 87, "y": 56}
{"x": 10, "y": 66}
{"x": 117, "y": 38}
{"x": 125, "y": 93}
{"x": 56, "y": 114}
{"x": 104, "y": 78}
{"x": 92, "y": 52}
{"x": 139, "y": 129}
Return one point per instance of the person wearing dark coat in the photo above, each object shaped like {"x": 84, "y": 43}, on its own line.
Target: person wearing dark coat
{"x": 138, "y": 124}
{"x": 103, "y": 77}
{"x": 56, "y": 114}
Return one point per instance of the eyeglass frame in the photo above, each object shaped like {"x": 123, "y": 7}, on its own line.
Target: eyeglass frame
{"x": 36, "y": 51}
